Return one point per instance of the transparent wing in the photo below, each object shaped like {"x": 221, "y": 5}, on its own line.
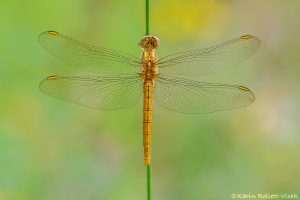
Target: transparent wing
{"x": 189, "y": 96}
{"x": 109, "y": 92}
{"x": 210, "y": 60}
{"x": 87, "y": 57}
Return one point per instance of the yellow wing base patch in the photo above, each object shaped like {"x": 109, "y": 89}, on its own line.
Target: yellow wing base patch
{"x": 243, "y": 88}
{"x": 53, "y": 77}
{"x": 53, "y": 32}
{"x": 245, "y": 37}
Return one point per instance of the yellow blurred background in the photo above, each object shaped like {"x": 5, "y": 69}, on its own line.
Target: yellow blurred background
{"x": 50, "y": 149}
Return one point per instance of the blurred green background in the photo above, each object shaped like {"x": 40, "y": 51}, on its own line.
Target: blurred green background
{"x": 50, "y": 149}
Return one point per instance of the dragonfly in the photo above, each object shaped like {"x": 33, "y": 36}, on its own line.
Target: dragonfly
{"x": 120, "y": 80}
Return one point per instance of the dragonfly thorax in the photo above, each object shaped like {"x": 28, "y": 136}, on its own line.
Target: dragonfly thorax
{"x": 149, "y": 42}
{"x": 149, "y": 59}
{"x": 149, "y": 73}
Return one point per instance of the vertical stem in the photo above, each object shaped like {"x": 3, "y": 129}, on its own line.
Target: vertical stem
{"x": 147, "y": 17}
{"x": 148, "y": 166}
{"x": 148, "y": 182}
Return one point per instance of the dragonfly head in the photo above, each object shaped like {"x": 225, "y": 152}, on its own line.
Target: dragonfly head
{"x": 149, "y": 42}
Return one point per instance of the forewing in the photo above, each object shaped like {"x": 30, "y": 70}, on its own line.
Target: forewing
{"x": 87, "y": 57}
{"x": 210, "y": 60}
{"x": 189, "y": 96}
{"x": 109, "y": 92}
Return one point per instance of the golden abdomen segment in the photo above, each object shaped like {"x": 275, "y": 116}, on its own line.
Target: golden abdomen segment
{"x": 147, "y": 119}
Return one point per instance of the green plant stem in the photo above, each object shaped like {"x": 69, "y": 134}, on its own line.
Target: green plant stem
{"x": 147, "y": 17}
{"x": 148, "y": 182}
{"x": 148, "y": 166}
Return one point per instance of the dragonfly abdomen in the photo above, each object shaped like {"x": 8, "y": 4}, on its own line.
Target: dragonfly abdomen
{"x": 147, "y": 119}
